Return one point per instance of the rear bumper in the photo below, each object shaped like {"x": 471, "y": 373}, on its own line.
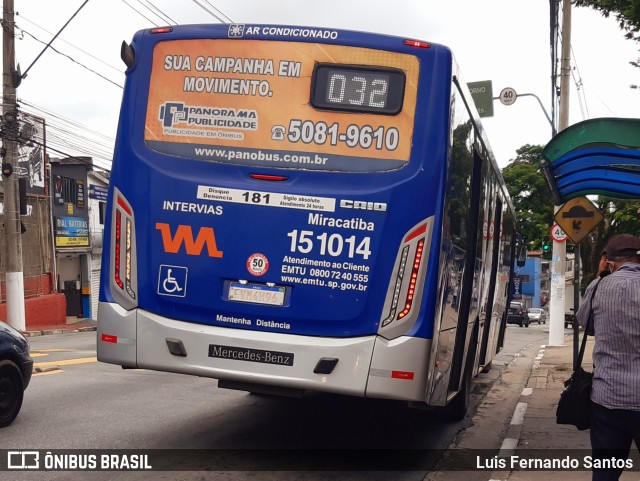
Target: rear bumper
{"x": 365, "y": 367}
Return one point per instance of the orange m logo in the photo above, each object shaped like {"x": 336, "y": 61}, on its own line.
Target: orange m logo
{"x": 184, "y": 235}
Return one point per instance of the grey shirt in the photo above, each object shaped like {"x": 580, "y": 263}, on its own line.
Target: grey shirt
{"x": 616, "y": 353}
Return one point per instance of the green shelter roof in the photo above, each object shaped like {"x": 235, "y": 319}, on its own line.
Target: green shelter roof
{"x": 598, "y": 156}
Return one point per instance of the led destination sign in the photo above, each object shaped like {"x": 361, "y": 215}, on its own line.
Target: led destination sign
{"x": 357, "y": 89}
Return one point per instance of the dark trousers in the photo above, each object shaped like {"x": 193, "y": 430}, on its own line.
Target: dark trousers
{"x": 612, "y": 431}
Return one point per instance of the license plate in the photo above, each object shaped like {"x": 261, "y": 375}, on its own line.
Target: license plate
{"x": 256, "y": 294}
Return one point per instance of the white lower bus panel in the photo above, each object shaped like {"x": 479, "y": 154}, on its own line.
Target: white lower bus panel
{"x": 366, "y": 366}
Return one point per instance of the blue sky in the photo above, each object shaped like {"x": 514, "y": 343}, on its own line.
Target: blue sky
{"x": 505, "y": 41}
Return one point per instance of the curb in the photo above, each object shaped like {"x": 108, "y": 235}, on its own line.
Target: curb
{"x": 514, "y": 430}
{"x": 511, "y": 440}
{"x": 47, "y": 332}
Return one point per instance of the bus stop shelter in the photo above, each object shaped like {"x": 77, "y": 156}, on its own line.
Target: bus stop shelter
{"x": 594, "y": 157}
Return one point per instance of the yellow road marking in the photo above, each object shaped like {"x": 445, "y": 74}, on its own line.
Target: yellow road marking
{"x": 65, "y": 362}
{"x": 52, "y": 350}
{"x": 39, "y": 354}
{"x": 57, "y": 371}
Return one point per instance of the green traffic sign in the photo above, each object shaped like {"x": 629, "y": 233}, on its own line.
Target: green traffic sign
{"x": 482, "y": 93}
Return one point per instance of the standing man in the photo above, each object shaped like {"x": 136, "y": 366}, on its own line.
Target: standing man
{"x": 615, "y": 414}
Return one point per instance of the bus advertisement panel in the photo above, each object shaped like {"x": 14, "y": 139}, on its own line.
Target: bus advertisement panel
{"x": 235, "y": 103}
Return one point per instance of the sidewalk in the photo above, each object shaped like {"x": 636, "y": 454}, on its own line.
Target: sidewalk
{"x": 80, "y": 325}
{"x": 533, "y": 425}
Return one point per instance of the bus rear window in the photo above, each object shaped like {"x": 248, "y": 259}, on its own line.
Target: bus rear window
{"x": 285, "y": 105}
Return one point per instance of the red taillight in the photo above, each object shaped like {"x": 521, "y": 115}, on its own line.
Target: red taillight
{"x": 398, "y": 287}
{"x": 406, "y": 375}
{"x": 123, "y": 278}
{"x": 118, "y": 247}
{"x": 413, "y": 280}
{"x": 273, "y": 178}
{"x": 127, "y": 261}
{"x": 417, "y": 43}
{"x": 124, "y": 205}
{"x": 405, "y": 287}
{"x": 109, "y": 338}
{"x": 419, "y": 231}
{"x": 162, "y": 30}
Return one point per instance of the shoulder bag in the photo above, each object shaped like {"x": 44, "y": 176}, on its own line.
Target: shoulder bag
{"x": 574, "y": 407}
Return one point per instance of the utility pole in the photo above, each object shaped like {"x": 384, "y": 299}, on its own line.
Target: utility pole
{"x": 565, "y": 66}
{"x": 10, "y": 129}
{"x": 559, "y": 253}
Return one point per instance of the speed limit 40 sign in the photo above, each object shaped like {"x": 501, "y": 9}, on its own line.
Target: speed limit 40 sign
{"x": 508, "y": 96}
{"x": 557, "y": 234}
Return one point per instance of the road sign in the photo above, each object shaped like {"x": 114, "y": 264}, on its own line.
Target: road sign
{"x": 557, "y": 234}
{"x": 482, "y": 94}
{"x": 578, "y": 217}
{"x": 508, "y": 96}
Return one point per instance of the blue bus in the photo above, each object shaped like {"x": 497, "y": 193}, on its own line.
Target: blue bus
{"x": 301, "y": 209}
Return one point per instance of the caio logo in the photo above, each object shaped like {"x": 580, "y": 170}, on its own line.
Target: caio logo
{"x": 184, "y": 237}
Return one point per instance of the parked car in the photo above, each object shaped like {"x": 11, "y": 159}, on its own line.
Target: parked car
{"x": 518, "y": 314}
{"x": 537, "y": 315}
{"x": 16, "y": 367}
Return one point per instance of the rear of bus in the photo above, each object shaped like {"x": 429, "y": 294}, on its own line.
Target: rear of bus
{"x": 273, "y": 202}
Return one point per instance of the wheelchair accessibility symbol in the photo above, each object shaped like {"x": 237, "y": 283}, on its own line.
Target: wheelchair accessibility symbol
{"x": 172, "y": 281}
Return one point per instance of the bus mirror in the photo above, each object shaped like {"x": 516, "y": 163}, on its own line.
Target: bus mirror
{"x": 521, "y": 251}
{"x": 127, "y": 54}
{"x": 522, "y": 257}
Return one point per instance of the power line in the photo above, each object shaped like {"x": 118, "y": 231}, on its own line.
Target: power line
{"x": 209, "y": 11}
{"x": 156, "y": 11}
{"x": 217, "y": 10}
{"x": 64, "y": 135}
{"x": 71, "y": 44}
{"x": 42, "y": 110}
{"x": 582, "y": 97}
{"x": 78, "y": 158}
{"x": 140, "y": 13}
{"x": 70, "y": 58}
{"x": 24, "y": 75}
{"x": 578, "y": 85}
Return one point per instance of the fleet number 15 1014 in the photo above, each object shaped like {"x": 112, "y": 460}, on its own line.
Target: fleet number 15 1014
{"x": 305, "y": 241}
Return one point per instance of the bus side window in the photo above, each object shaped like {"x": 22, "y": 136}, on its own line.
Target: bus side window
{"x": 459, "y": 195}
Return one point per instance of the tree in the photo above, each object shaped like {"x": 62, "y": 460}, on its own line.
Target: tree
{"x": 627, "y": 13}
{"x": 530, "y": 194}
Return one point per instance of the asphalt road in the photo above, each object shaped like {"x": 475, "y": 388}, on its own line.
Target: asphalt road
{"x": 76, "y": 403}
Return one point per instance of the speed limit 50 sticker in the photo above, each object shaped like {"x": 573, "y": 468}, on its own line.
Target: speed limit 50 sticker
{"x": 257, "y": 264}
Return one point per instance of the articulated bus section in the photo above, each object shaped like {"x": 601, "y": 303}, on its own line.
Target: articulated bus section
{"x": 290, "y": 214}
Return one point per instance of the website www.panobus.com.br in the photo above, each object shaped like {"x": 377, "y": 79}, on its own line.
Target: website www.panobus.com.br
{"x": 259, "y": 155}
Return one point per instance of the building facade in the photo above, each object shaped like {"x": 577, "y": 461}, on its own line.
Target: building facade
{"x": 98, "y": 187}
{"x": 43, "y": 304}
{"x": 72, "y": 242}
